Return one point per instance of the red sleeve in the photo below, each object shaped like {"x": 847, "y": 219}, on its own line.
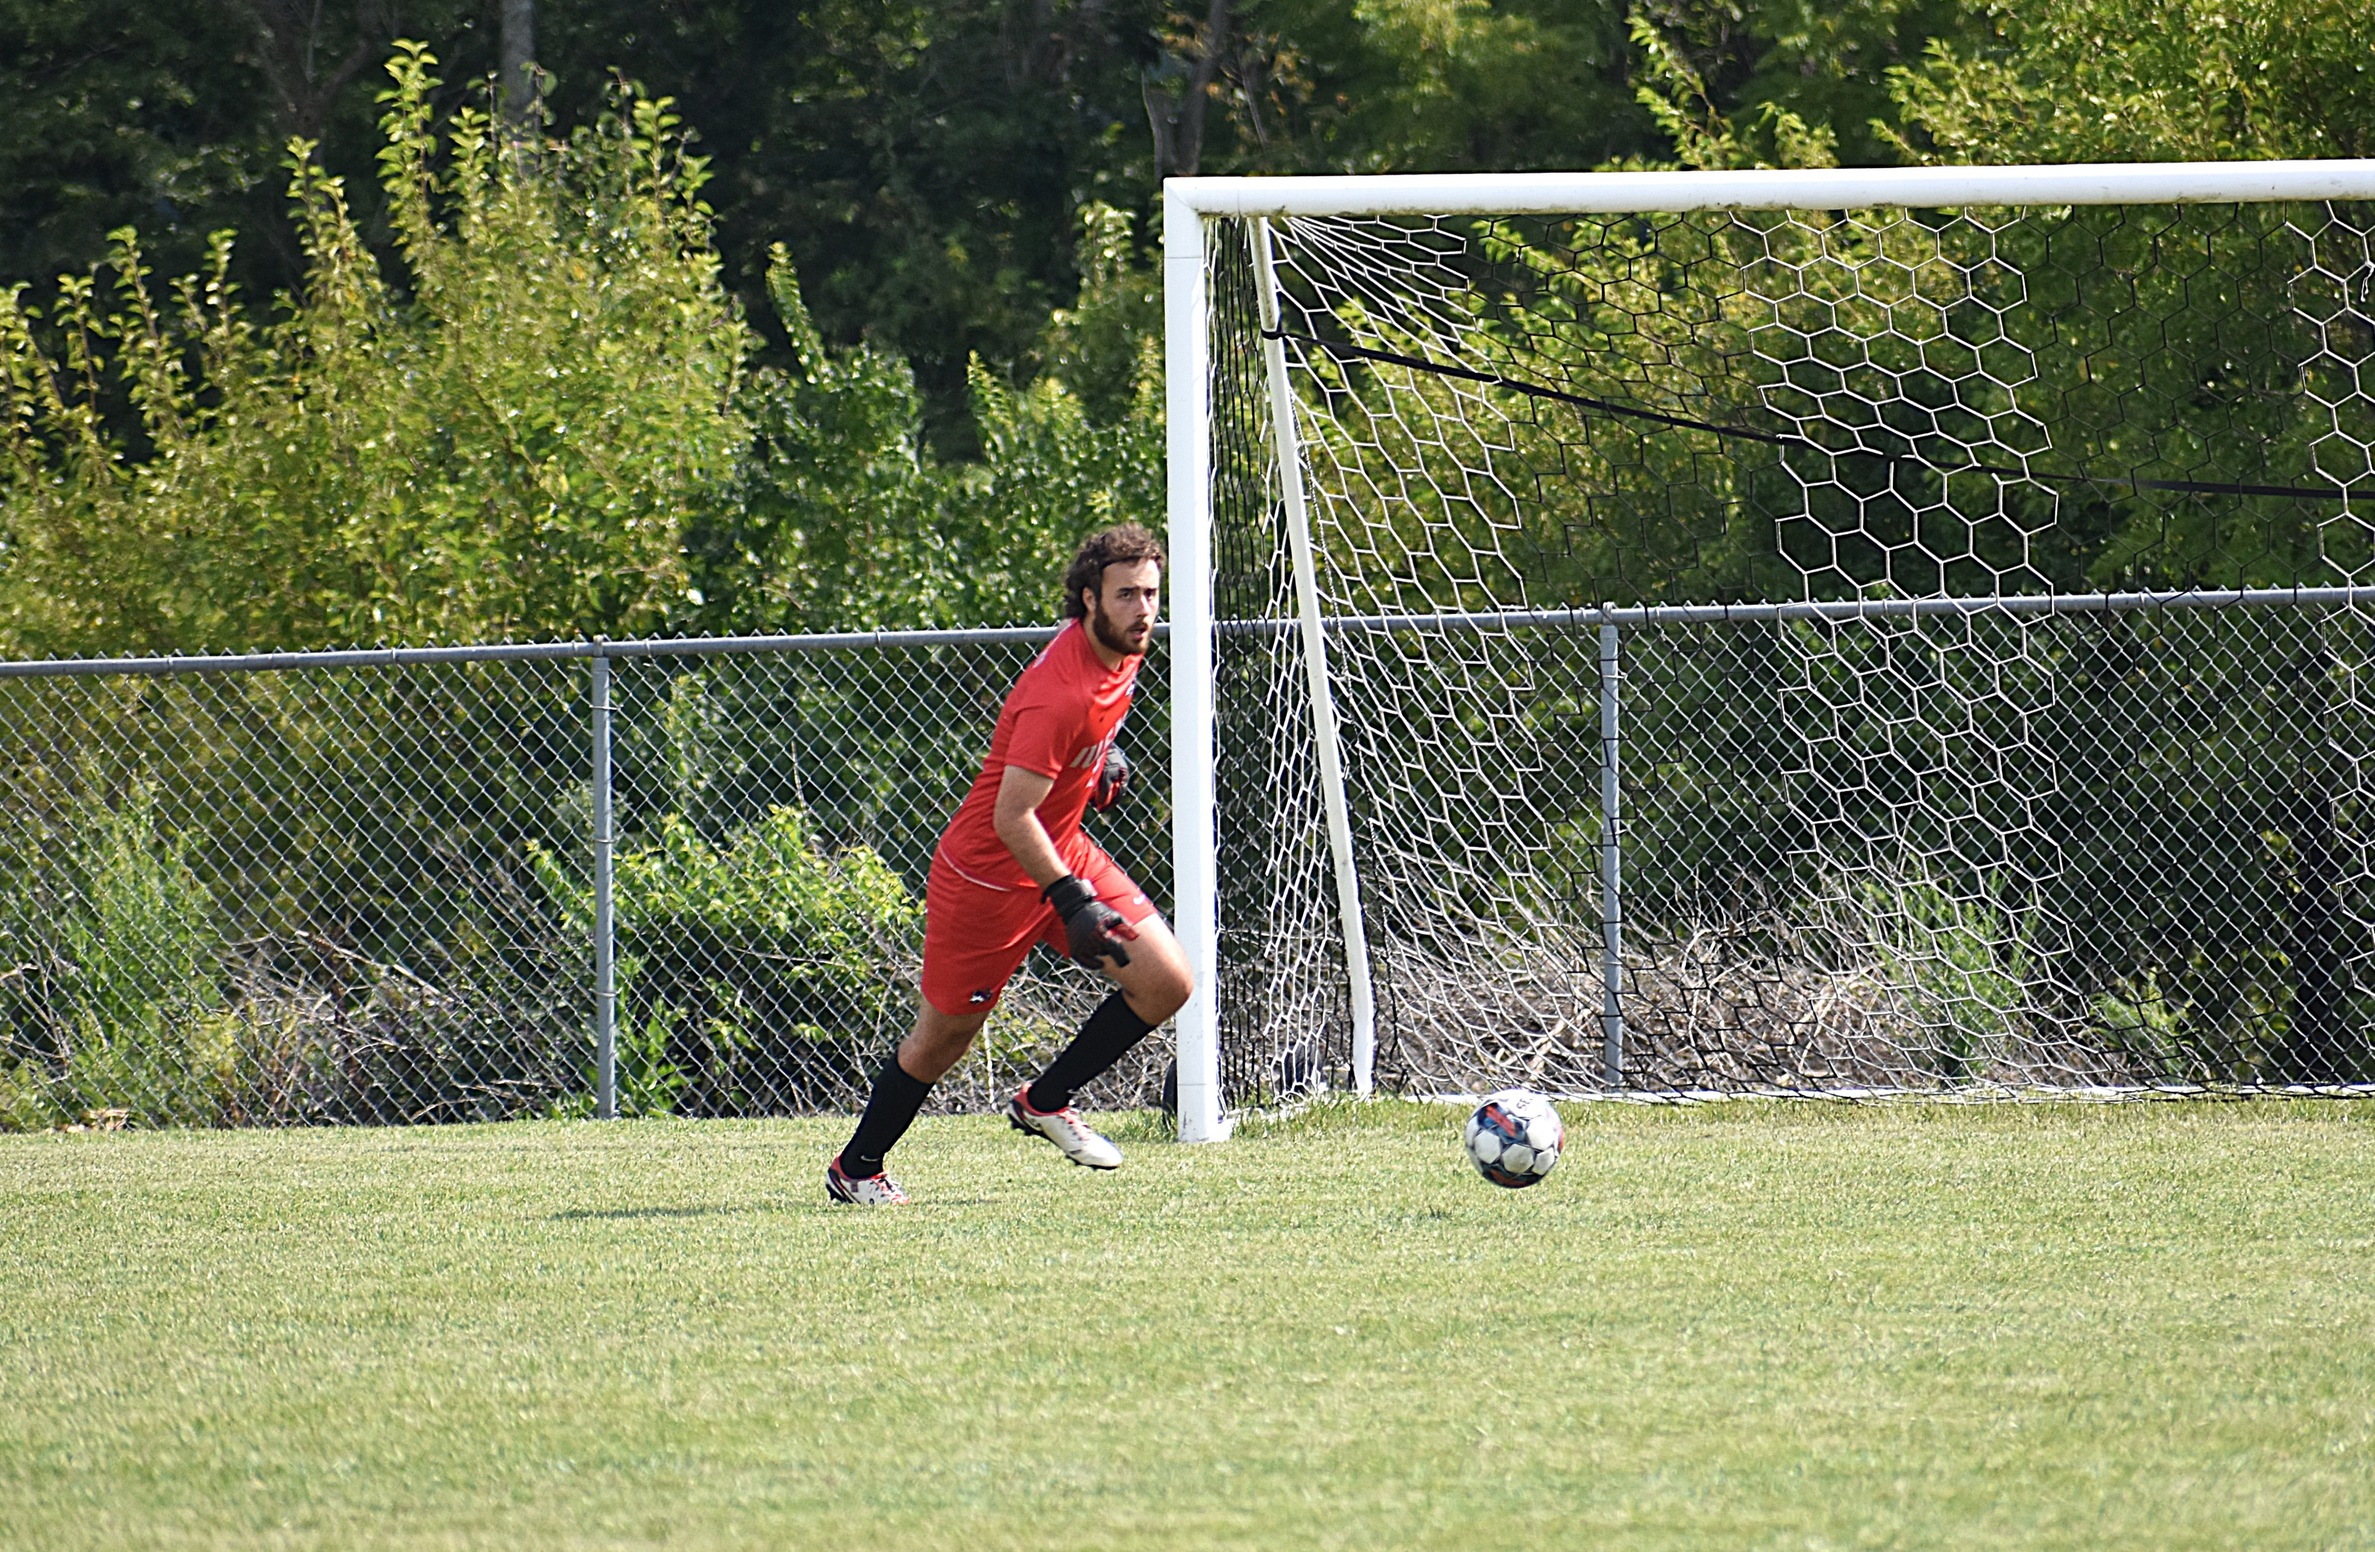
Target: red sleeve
{"x": 1043, "y": 738}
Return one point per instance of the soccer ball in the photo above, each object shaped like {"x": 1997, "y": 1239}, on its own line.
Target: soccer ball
{"x": 1514, "y": 1138}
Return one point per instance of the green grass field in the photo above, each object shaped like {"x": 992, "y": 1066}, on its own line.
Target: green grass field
{"x": 1741, "y": 1325}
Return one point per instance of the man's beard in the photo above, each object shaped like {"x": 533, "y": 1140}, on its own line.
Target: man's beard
{"x": 1109, "y": 635}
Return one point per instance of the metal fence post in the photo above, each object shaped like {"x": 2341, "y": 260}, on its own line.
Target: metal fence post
{"x": 605, "y": 966}
{"x": 1612, "y": 886}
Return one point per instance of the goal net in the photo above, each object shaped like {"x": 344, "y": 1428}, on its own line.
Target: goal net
{"x": 1836, "y": 632}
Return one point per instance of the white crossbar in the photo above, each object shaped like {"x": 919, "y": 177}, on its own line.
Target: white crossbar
{"x": 1839, "y": 188}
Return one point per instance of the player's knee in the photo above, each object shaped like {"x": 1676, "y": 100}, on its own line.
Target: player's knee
{"x": 936, "y": 1045}
{"x": 1165, "y": 993}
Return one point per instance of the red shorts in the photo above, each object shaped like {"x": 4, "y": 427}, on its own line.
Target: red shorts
{"x": 977, "y": 935}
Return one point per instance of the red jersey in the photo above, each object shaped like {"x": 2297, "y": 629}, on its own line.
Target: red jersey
{"x": 1059, "y": 720}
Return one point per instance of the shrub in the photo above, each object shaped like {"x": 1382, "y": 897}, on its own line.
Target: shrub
{"x": 753, "y": 972}
{"x": 116, "y": 1001}
{"x": 840, "y": 520}
{"x": 509, "y": 437}
{"x": 1951, "y": 957}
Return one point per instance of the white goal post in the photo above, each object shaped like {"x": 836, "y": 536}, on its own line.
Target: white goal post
{"x": 1822, "y": 385}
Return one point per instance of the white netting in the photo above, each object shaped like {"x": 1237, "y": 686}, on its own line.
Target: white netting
{"x": 1998, "y": 844}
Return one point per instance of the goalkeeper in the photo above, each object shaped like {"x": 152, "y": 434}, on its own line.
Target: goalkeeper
{"x": 1013, "y": 868}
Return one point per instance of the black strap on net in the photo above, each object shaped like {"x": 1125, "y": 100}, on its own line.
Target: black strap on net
{"x": 1341, "y": 349}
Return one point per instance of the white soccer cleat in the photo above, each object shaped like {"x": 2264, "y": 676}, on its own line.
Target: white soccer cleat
{"x": 862, "y": 1191}
{"x": 1066, "y": 1130}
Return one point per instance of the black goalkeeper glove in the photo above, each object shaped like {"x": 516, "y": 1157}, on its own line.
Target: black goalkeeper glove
{"x": 1093, "y": 930}
{"x": 1110, "y": 781}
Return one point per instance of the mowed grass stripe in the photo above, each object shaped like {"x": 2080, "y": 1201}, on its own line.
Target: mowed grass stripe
{"x": 1737, "y": 1325}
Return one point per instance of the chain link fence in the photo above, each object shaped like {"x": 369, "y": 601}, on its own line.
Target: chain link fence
{"x": 363, "y": 887}
{"x": 2102, "y": 843}
{"x": 1951, "y": 847}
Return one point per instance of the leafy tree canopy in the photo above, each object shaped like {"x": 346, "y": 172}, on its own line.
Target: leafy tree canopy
{"x": 925, "y": 163}
{"x": 512, "y": 441}
{"x": 878, "y": 344}
{"x": 540, "y": 418}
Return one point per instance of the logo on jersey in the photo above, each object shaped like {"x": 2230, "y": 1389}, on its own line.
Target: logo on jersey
{"x": 1093, "y": 757}
{"x": 981, "y": 999}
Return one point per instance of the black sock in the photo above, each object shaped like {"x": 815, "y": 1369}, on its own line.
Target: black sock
{"x": 890, "y": 1110}
{"x": 1103, "y": 1040}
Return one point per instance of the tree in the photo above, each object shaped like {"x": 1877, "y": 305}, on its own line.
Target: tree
{"x": 512, "y": 442}
{"x": 1180, "y": 87}
{"x": 173, "y": 117}
{"x": 840, "y": 519}
{"x": 2146, "y": 80}
{"x": 1448, "y": 87}
{"x": 924, "y": 162}
{"x": 516, "y": 78}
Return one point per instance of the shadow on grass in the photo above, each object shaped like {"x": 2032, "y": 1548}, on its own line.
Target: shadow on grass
{"x": 629, "y": 1214}
{"x": 1321, "y": 1115}
{"x": 829, "y": 1209}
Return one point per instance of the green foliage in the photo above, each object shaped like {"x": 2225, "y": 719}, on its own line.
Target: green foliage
{"x": 28, "y": 1103}
{"x": 1702, "y": 136}
{"x": 1107, "y": 346}
{"x": 2145, "y": 1019}
{"x": 1431, "y": 85}
{"x": 511, "y": 444}
{"x": 1828, "y": 66}
{"x": 923, "y": 159}
{"x": 750, "y": 964}
{"x": 835, "y": 499}
{"x": 117, "y": 982}
{"x": 113, "y": 111}
{"x": 1080, "y": 448}
{"x": 1957, "y": 960}
{"x": 924, "y": 162}
{"x": 841, "y": 519}
{"x": 1051, "y": 475}
{"x": 542, "y": 418}
{"x": 2146, "y": 80}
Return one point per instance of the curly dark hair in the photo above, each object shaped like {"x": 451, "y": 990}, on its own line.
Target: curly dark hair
{"x": 1125, "y": 545}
